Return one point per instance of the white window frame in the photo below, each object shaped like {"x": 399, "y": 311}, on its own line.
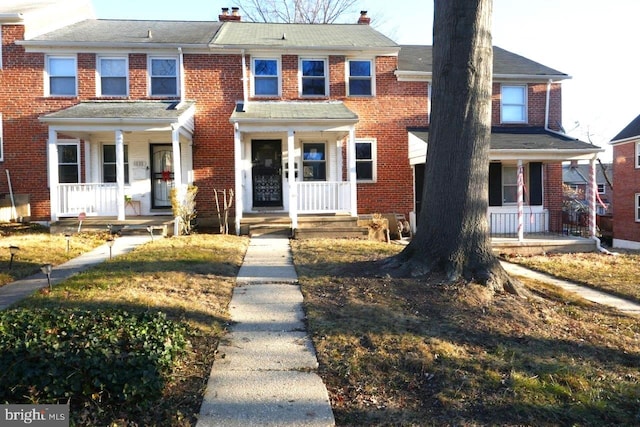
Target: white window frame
{"x": 151, "y": 77}
{"x": 371, "y": 78}
{"x": 523, "y": 105}
{"x": 525, "y": 178}
{"x": 127, "y": 176}
{"x": 373, "y": 160}
{"x": 1, "y": 47}
{"x": 254, "y": 76}
{"x": 48, "y": 76}
{"x": 325, "y": 61}
{"x": 76, "y": 143}
{"x": 637, "y": 162}
{"x": 99, "y": 75}
{"x": 637, "y": 207}
{"x": 1, "y": 139}
{"x": 601, "y": 188}
{"x": 308, "y": 163}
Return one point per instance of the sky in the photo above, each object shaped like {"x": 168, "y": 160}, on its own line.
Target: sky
{"x": 593, "y": 41}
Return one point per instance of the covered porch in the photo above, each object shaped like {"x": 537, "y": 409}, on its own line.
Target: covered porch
{"x": 118, "y": 158}
{"x": 294, "y": 158}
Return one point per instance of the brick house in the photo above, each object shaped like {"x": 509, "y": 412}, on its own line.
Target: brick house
{"x": 576, "y": 176}
{"x": 626, "y": 173}
{"x": 297, "y": 119}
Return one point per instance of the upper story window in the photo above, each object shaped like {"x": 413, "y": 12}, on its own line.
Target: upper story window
{"x": 314, "y": 80}
{"x": 163, "y": 73}
{"x": 113, "y": 76}
{"x": 68, "y": 164}
{"x": 61, "y": 72}
{"x": 366, "y": 160}
{"x": 360, "y": 77}
{"x": 513, "y": 104}
{"x": 266, "y": 81}
{"x": 638, "y": 154}
{"x": 601, "y": 189}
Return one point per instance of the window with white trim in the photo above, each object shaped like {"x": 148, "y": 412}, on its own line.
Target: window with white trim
{"x": 637, "y": 207}
{"x": 360, "y": 77}
{"x": 109, "y": 171}
{"x": 601, "y": 188}
{"x": 366, "y": 160}
{"x": 1, "y": 46}
{"x": 513, "y": 104}
{"x": 113, "y": 72}
{"x": 638, "y": 154}
{"x": 313, "y": 77}
{"x": 68, "y": 163}
{"x": 266, "y": 76}
{"x": 163, "y": 75}
{"x": 1, "y": 140}
{"x": 61, "y": 76}
{"x": 314, "y": 162}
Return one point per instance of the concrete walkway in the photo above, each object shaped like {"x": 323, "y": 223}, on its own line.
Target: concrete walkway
{"x": 584, "y": 291}
{"x": 15, "y": 291}
{"x": 265, "y": 370}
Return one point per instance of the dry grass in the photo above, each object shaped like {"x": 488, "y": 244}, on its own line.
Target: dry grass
{"x": 408, "y": 352}
{"x": 189, "y": 278}
{"x": 619, "y": 275}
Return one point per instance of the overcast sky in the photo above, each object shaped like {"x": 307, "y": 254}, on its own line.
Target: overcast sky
{"x": 593, "y": 41}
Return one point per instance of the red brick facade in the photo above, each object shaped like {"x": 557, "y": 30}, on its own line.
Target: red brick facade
{"x": 627, "y": 179}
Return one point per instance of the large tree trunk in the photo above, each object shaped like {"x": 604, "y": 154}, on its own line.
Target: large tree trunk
{"x": 453, "y": 235}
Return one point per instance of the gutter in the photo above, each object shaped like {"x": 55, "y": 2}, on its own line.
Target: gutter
{"x": 11, "y": 18}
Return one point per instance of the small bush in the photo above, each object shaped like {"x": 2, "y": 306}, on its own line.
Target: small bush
{"x": 50, "y": 356}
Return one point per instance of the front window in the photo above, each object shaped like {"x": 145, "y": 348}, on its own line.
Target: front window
{"x": 314, "y": 77}
{"x": 514, "y": 104}
{"x": 360, "y": 78}
{"x": 109, "y": 173}
{"x": 113, "y": 76}
{"x": 164, "y": 76}
{"x": 1, "y": 140}
{"x": 68, "y": 165}
{"x": 62, "y": 75}
{"x": 365, "y": 160}
{"x": 314, "y": 162}
{"x": 265, "y": 77}
{"x": 509, "y": 184}
{"x": 638, "y": 207}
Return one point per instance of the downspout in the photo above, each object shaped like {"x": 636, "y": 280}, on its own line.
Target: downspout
{"x": 182, "y": 75}
{"x": 245, "y": 89}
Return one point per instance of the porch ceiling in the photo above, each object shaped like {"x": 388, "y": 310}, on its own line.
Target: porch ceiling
{"x": 303, "y": 116}
{"x": 527, "y": 143}
{"x": 134, "y": 116}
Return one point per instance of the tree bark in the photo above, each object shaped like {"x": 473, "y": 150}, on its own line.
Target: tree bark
{"x": 453, "y": 232}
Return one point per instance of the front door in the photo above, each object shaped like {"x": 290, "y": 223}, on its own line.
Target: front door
{"x": 266, "y": 170}
{"x": 161, "y": 175}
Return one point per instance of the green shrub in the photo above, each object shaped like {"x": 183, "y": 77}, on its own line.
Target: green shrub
{"x": 50, "y": 356}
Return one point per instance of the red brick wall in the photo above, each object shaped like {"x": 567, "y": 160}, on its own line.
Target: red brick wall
{"x": 537, "y": 99}
{"x": 627, "y": 183}
{"x": 553, "y": 194}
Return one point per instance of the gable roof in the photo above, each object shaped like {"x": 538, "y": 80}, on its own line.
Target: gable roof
{"x": 129, "y": 33}
{"x": 579, "y": 174}
{"x": 270, "y": 111}
{"x": 248, "y": 35}
{"x": 418, "y": 59}
{"x": 631, "y": 131}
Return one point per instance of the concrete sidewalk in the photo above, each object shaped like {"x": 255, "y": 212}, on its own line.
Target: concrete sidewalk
{"x": 265, "y": 369}
{"x": 15, "y": 291}
{"x": 584, "y": 291}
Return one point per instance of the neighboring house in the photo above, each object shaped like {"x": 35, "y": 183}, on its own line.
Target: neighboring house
{"x": 626, "y": 173}
{"x": 297, "y": 119}
{"x": 576, "y": 176}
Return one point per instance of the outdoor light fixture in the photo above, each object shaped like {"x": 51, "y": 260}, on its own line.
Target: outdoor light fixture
{"x": 13, "y": 250}
{"x": 68, "y": 237}
{"x": 46, "y": 269}
{"x": 110, "y": 242}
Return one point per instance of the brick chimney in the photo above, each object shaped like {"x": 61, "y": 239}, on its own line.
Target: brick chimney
{"x": 225, "y": 17}
{"x": 364, "y": 19}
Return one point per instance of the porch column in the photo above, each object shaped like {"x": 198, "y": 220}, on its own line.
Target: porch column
{"x": 53, "y": 174}
{"x": 520, "y": 196}
{"x": 293, "y": 188}
{"x": 120, "y": 174}
{"x": 237, "y": 163}
{"x": 593, "y": 190}
{"x": 177, "y": 176}
{"x": 351, "y": 167}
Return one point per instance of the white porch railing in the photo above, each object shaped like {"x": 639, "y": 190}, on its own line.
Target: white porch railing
{"x": 97, "y": 199}
{"x": 505, "y": 224}
{"x": 324, "y": 197}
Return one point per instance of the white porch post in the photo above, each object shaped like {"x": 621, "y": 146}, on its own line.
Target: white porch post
{"x": 120, "y": 174}
{"x": 177, "y": 175}
{"x": 53, "y": 174}
{"x": 593, "y": 189}
{"x": 520, "y": 196}
{"x": 293, "y": 188}
{"x": 237, "y": 155}
{"x": 351, "y": 164}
